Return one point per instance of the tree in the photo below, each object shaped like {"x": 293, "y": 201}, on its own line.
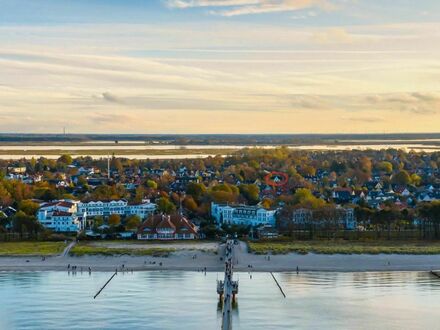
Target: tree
{"x": 385, "y": 166}
{"x": 164, "y": 205}
{"x": 133, "y": 221}
{"x": 23, "y": 223}
{"x": 416, "y": 179}
{"x": 5, "y": 196}
{"x": 401, "y": 178}
{"x": 305, "y": 198}
{"x": 98, "y": 221}
{"x": 65, "y": 159}
{"x": 139, "y": 194}
{"x": 430, "y": 213}
{"x": 152, "y": 184}
{"x": 4, "y": 221}
{"x": 196, "y": 190}
{"x": 28, "y": 207}
{"x": 251, "y": 192}
{"x": 363, "y": 215}
{"x": 114, "y": 220}
{"x": 190, "y": 204}
{"x": 223, "y": 193}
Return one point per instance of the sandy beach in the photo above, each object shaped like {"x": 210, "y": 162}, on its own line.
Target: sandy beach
{"x": 197, "y": 260}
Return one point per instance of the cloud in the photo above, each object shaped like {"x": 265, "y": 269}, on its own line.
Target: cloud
{"x": 333, "y": 35}
{"x": 111, "y": 98}
{"x": 247, "y": 7}
{"x": 363, "y": 119}
{"x": 209, "y": 3}
{"x": 416, "y": 103}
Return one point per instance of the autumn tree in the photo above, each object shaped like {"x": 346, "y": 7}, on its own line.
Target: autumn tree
{"x": 401, "y": 178}
{"x": 28, "y": 207}
{"x": 114, "y": 220}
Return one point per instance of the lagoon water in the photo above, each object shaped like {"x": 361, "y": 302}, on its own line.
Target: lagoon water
{"x": 188, "y": 300}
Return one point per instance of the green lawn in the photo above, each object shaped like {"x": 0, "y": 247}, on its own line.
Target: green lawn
{"x": 345, "y": 247}
{"x": 85, "y": 249}
{"x": 31, "y": 248}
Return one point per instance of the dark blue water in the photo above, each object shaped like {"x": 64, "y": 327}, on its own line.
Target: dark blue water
{"x": 187, "y": 300}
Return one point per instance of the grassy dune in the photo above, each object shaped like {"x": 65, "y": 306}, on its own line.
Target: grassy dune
{"x": 31, "y": 248}
{"x": 343, "y": 247}
{"x": 85, "y": 249}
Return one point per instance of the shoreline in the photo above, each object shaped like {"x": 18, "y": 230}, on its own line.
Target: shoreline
{"x": 185, "y": 261}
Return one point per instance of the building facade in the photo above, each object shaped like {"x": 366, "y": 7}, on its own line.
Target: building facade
{"x": 242, "y": 215}
{"x": 61, "y": 216}
{"x": 167, "y": 227}
{"x": 120, "y": 207}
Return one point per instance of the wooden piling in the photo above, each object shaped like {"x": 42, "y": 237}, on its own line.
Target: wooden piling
{"x": 97, "y": 294}
{"x": 435, "y": 273}
{"x": 279, "y": 286}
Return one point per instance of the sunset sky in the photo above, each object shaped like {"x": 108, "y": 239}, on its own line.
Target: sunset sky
{"x": 219, "y": 66}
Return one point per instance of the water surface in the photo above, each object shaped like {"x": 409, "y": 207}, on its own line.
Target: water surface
{"x": 187, "y": 300}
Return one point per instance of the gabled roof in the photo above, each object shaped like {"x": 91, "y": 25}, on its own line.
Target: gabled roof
{"x": 177, "y": 222}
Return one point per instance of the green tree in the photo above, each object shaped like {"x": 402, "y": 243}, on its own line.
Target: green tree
{"x": 152, "y": 184}
{"x": 196, "y": 190}
{"x": 133, "y": 222}
{"x": 65, "y": 159}
{"x": 164, "y": 205}
{"x": 28, "y": 207}
{"x": 23, "y": 223}
{"x": 416, "y": 179}
{"x": 98, "y": 221}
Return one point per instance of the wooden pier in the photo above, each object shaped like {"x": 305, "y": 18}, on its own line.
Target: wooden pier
{"x": 228, "y": 288}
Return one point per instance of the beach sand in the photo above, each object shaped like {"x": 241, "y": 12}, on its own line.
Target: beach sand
{"x": 196, "y": 260}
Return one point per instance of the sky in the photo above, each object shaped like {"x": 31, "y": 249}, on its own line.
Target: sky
{"x": 219, "y": 66}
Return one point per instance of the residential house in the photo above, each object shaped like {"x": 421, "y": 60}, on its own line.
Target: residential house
{"x": 61, "y": 216}
{"x": 167, "y": 227}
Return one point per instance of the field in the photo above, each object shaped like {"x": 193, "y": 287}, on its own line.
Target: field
{"x": 343, "y": 247}
{"x": 31, "y": 248}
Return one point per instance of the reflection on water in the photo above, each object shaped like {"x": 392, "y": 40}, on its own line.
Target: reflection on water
{"x": 188, "y": 300}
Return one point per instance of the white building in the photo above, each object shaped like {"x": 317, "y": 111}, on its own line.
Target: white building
{"x": 242, "y": 215}
{"x": 120, "y": 207}
{"x": 61, "y": 216}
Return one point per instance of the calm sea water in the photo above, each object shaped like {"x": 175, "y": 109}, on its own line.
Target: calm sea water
{"x": 187, "y": 300}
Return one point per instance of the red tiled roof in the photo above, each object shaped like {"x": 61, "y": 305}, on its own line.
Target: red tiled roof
{"x": 176, "y": 222}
